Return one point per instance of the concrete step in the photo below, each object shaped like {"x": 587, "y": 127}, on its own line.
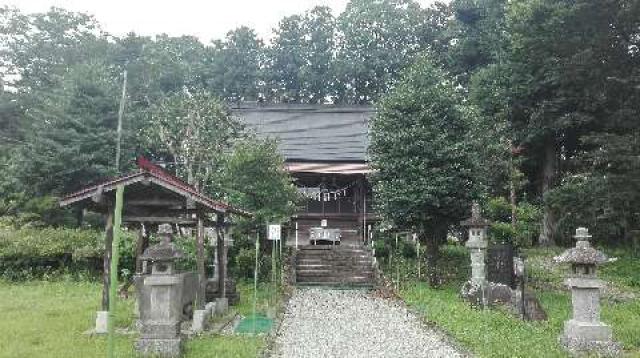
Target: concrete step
{"x": 334, "y": 265}
{"x": 363, "y": 266}
{"x": 333, "y": 254}
{"x": 350, "y": 279}
{"x": 355, "y": 264}
{"x": 338, "y": 285}
{"x": 344, "y": 251}
{"x": 334, "y": 270}
{"x": 334, "y": 275}
{"x": 330, "y": 260}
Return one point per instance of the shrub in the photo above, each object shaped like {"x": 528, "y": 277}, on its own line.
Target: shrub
{"x": 41, "y": 252}
{"x": 527, "y": 228}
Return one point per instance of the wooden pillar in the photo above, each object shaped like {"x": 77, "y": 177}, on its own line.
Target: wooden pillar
{"x": 200, "y": 263}
{"x": 106, "y": 262}
{"x": 222, "y": 257}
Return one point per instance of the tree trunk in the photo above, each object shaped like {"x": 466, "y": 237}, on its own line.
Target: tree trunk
{"x": 549, "y": 171}
{"x": 512, "y": 193}
{"x": 433, "y": 239}
{"x": 106, "y": 273}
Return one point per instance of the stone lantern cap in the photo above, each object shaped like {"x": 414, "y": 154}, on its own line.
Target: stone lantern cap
{"x": 163, "y": 251}
{"x": 476, "y": 219}
{"x": 583, "y": 253}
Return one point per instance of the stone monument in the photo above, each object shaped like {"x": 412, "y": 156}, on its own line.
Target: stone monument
{"x": 160, "y": 321}
{"x": 474, "y": 289}
{"x": 584, "y": 331}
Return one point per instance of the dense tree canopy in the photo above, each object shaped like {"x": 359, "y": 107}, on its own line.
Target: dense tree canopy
{"x": 549, "y": 90}
{"x": 422, "y": 155}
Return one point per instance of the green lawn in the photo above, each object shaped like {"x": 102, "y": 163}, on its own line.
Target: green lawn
{"x": 47, "y": 319}
{"x": 495, "y": 333}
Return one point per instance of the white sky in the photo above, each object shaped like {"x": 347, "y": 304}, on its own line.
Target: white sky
{"x": 206, "y": 19}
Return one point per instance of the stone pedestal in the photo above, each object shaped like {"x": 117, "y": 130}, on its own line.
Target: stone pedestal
{"x": 101, "y": 322}
{"x": 200, "y": 320}
{"x": 213, "y": 291}
{"x": 584, "y": 331}
{"x": 222, "y": 305}
{"x": 160, "y": 331}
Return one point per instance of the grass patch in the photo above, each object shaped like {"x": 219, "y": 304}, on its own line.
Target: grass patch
{"x": 497, "y": 333}
{"x": 488, "y": 333}
{"x": 47, "y": 319}
{"x": 224, "y": 346}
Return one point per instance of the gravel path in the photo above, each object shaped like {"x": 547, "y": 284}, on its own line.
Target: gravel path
{"x": 350, "y": 324}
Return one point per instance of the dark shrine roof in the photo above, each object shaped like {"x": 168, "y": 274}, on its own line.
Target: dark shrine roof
{"x": 150, "y": 181}
{"x": 322, "y": 133}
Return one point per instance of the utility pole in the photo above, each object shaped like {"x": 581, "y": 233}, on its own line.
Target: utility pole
{"x": 120, "y": 114}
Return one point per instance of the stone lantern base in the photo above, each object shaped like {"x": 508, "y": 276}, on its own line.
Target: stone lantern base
{"x": 159, "y": 347}
{"x": 582, "y": 337}
{"x": 576, "y": 330}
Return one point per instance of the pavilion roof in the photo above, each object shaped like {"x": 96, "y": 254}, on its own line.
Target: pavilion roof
{"x": 150, "y": 181}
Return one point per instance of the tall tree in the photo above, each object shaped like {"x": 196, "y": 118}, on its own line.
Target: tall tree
{"x": 300, "y": 56}
{"x": 320, "y": 28}
{"x": 71, "y": 140}
{"x": 194, "y": 131}
{"x": 477, "y": 30}
{"x": 564, "y": 55}
{"x": 235, "y": 64}
{"x": 286, "y": 58}
{"x": 377, "y": 39}
{"x": 424, "y": 170}
{"x": 38, "y": 49}
{"x": 255, "y": 179}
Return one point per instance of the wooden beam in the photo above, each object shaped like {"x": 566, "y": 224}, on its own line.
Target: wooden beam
{"x": 156, "y": 202}
{"x": 158, "y": 211}
{"x": 160, "y": 220}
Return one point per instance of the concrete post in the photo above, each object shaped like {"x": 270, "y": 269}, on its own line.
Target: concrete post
{"x": 584, "y": 331}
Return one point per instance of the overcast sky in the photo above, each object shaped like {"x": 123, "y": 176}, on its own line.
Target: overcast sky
{"x": 206, "y": 19}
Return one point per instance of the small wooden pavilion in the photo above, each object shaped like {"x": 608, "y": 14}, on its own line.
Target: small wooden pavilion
{"x": 153, "y": 197}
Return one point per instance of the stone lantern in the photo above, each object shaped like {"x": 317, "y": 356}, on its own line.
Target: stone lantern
{"x": 584, "y": 331}
{"x": 477, "y": 244}
{"x": 475, "y": 290}
{"x": 164, "y": 254}
{"x": 161, "y": 311}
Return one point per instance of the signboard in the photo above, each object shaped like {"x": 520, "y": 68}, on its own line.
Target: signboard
{"x": 274, "y": 232}
{"x": 500, "y": 264}
{"x": 323, "y": 223}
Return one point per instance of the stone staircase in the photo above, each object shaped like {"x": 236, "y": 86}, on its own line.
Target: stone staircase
{"x": 335, "y": 266}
